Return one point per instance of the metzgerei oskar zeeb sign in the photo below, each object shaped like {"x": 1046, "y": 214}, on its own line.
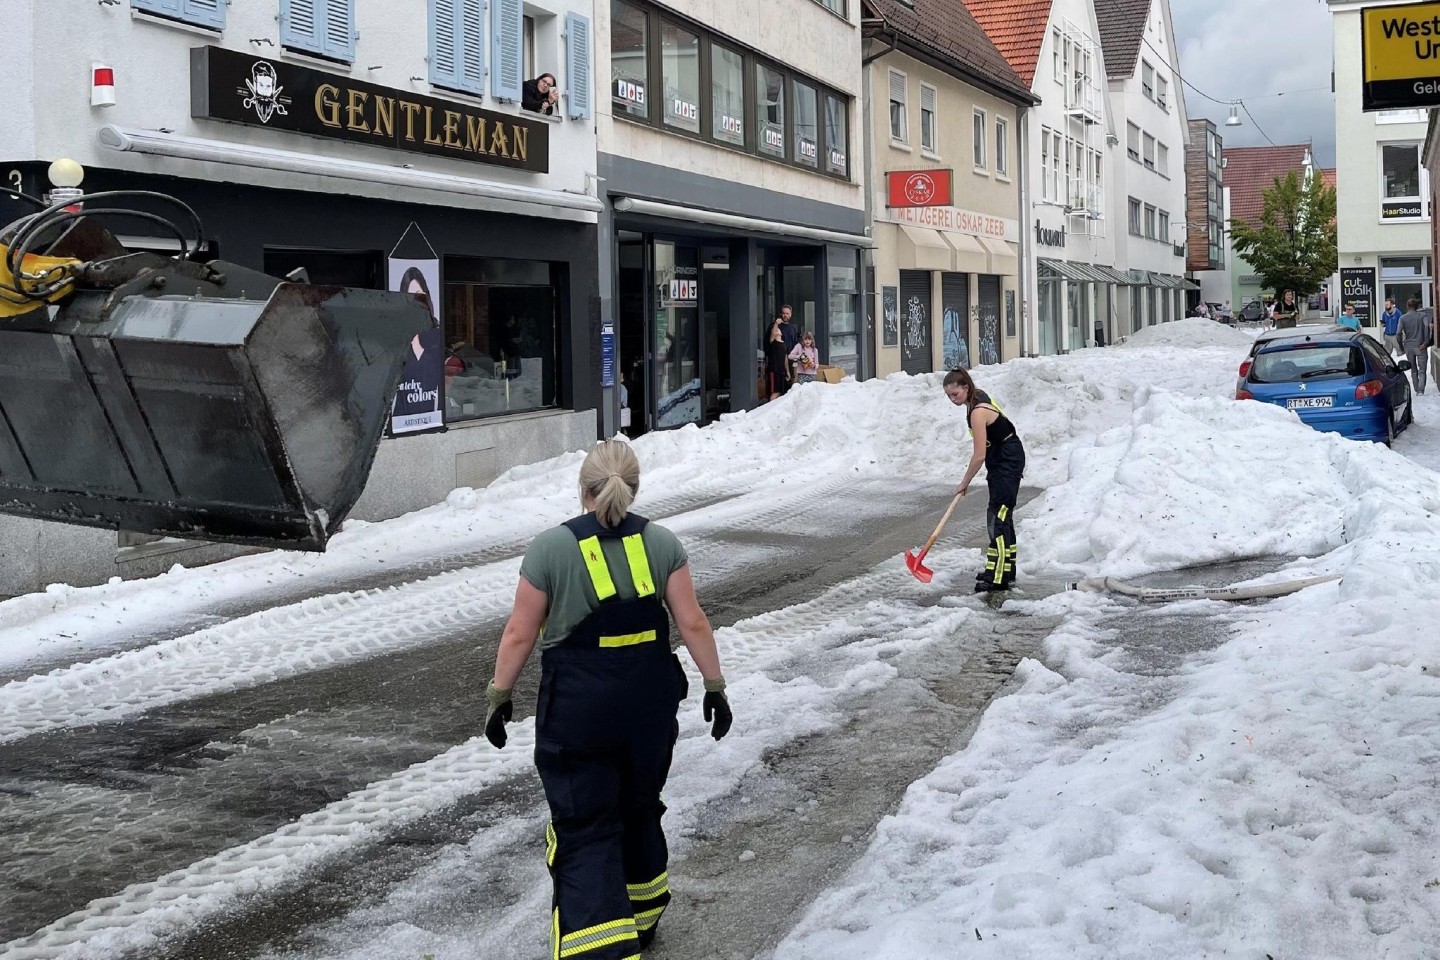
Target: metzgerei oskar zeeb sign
{"x": 277, "y": 95}
{"x": 1400, "y": 50}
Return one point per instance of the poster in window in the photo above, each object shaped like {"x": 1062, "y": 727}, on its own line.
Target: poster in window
{"x": 1357, "y": 289}
{"x": 418, "y": 408}
{"x": 890, "y": 312}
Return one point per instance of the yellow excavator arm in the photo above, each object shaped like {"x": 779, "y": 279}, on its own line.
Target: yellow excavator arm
{"x": 36, "y": 272}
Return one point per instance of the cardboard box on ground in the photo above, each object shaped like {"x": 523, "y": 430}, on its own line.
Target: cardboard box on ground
{"x": 828, "y": 374}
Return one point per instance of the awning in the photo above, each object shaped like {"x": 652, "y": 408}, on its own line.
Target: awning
{"x": 1168, "y": 281}
{"x": 1189, "y": 285}
{"x": 1060, "y": 269}
{"x": 1004, "y": 260}
{"x": 970, "y": 254}
{"x": 1092, "y": 274}
{"x": 1116, "y": 276}
{"x": 924, "y": 249}
{"x": 734, "y": 221}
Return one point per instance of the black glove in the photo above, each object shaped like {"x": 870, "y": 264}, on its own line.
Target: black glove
{"x": 498, "y": 714}
{"x": 717, "y": 706}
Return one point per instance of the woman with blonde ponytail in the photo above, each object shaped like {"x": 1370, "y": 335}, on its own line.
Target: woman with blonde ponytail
{"x": 595, "y": 592}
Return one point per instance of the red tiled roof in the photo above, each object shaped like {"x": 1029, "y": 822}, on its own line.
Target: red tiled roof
{"x": 1329, "y": 177}
{"x": 1122, "y": 28}
{"x": 948, "y": 28}
{"x": 1017, "y": 28}
{"x": 1250, "y": 171}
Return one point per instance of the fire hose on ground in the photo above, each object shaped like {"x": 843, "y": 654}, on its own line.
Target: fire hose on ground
{"x": 1263, "y": 591}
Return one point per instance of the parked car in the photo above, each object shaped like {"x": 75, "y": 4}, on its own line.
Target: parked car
{"x": 1335, "y": 379}
{"x": 1252, "y": 312}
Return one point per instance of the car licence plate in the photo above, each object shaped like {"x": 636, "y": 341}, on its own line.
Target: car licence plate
{"x": 1304, "y": 403}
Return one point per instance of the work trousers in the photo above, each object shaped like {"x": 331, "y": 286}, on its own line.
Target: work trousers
{"x": 1004, "y": 466}
{"x": 605, "y": 730}
{"x": 1418, "y": 356}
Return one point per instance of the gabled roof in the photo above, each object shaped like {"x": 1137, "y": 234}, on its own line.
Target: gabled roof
{"x": 1122, "y": 31}
{"x": 1328, "y": 176}
{"x": 1016, "y": 28}
{"x": 949, "y": 31}
{"x": 1250, "y": 171}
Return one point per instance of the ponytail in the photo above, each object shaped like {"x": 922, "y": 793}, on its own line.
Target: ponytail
{"x": 609, "y": 480}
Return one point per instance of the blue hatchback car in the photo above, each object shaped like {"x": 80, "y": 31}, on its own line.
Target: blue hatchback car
{"x": 1336, "y": 380}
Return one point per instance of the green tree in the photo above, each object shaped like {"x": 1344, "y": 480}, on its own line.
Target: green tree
{"x": 1293, "y": 247}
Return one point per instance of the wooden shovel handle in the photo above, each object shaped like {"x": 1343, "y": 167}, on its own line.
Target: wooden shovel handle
{"x": 941, "y": 525}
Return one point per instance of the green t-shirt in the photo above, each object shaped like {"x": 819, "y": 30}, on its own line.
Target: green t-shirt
{"x": 554, "y": 564}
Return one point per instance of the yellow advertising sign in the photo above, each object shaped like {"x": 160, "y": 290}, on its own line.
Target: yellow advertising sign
{"x": 1400, "y": 50}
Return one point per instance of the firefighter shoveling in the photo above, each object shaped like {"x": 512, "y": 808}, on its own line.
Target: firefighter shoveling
{"x": 201, "y": 400}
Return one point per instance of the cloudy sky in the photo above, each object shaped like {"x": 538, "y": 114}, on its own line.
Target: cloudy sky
{"x": 1252, "y": 50}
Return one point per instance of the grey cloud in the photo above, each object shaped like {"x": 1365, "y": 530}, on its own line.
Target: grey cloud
{"x": 1252, "y": 49}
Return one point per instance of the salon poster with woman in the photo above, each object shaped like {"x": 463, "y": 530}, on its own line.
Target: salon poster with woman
{"x": 419, "y": 404}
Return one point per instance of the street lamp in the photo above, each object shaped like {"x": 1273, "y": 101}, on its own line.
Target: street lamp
{"x": 1234, "y": 119}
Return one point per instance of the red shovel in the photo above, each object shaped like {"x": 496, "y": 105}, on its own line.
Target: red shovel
{"x": 916, "y": 561}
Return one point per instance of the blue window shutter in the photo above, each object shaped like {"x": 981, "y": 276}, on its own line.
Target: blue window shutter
{"x": 444, "y": 41}
{"x": 167, "y": 8}
{"x": 205, "y": 13}
{"x": 301, "y": 24}
{"x": 507, "y": 25}
{"x": 577, "y": 64}
{"x": 339, "y": 34}
{"x": 472, "y": 45}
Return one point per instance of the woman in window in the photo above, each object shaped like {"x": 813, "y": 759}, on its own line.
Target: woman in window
{"x": 540, "y": 95}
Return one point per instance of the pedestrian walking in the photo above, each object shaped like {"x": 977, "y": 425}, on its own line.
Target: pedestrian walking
{"x": 1348, "y": 319}
{"x": 1390, "y": 317}
{"x": 806, "y": 358}
{"x": 1416, "y": 332}
{"x": 997, "y": 446}
{"x": 595, "y": 590}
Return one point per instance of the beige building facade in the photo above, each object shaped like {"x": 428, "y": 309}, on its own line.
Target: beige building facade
{"x": 946, "y": 270}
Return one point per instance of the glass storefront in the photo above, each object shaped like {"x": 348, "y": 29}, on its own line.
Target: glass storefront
{"x": 844, "y": 326}
{"x": 1404, "y": 277}
{"x": 676, "y": 347}
{"x": 502, "y": 324}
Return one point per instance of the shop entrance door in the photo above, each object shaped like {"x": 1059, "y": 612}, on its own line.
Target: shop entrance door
{"x": 675, "y": 347}
{"x": 916, "y": 355}
{"x": 632, "y": 257}
{"x": 955, "y": 307}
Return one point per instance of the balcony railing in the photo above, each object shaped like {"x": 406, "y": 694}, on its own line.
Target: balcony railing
{"x": 1083, "y": 100}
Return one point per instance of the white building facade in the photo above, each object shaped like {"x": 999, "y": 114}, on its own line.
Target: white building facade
{"x": 1148, "y": 204}
{"x": 1383, "y": 189}
{"x": 316, "y": 134}
{"x": 733, "y": 176}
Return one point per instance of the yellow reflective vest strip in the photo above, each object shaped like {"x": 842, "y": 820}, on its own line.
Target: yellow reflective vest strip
{"x": 639, "y": 565}
{"x": 628, "y": 639}
{"x": 596, "y": 566}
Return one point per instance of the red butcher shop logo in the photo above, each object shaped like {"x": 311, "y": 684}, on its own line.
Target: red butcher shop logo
{"x": 920, "y": 189}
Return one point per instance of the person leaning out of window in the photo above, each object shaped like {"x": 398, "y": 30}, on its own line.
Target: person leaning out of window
{"x": 541, "y": 94}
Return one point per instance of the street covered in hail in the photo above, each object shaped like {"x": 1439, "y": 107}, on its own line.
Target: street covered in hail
{"x": 914, "y": 771}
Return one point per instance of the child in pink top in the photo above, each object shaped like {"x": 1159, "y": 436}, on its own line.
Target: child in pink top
{"x": 806, "y": 357}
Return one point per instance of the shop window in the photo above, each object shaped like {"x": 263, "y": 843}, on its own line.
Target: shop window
{"x": 843, "y": 325}
{"x": 1402, "y": 187}
{"x": 457, "y": 44}
{"x": 1137, "y": 309}
{"x": 836, "y": 136}
{"x": 929, "y": 141}
{"x": 979, "y": 132}
{"x": 502, "y": 323}
{"x": 770, "y": 109}
{"x": 629, "y": 62}
{"x": 727, "y": 72}
{"x": 1002, "y": 146}
{"x": 322, "y": 27}
{"x": 899, "y": 128}
{"x": 200, "y": 13}
{"x": 807, "y": 125}
{"x": 680, "y": 73}
{"x": 1151, "y": 308}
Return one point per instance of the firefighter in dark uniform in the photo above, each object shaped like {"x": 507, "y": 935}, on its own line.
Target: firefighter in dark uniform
{"x": 610, "y": 687}
{"x": 998, "y": 447}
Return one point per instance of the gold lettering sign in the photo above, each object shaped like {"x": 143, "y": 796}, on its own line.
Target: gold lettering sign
{"x": 299, "y": 99}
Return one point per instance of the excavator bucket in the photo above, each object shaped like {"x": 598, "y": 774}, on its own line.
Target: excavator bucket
{"x": 208, "y": 402}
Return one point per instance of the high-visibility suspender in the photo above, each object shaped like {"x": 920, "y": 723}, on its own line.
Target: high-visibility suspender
{"x": 599, "y": 570}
